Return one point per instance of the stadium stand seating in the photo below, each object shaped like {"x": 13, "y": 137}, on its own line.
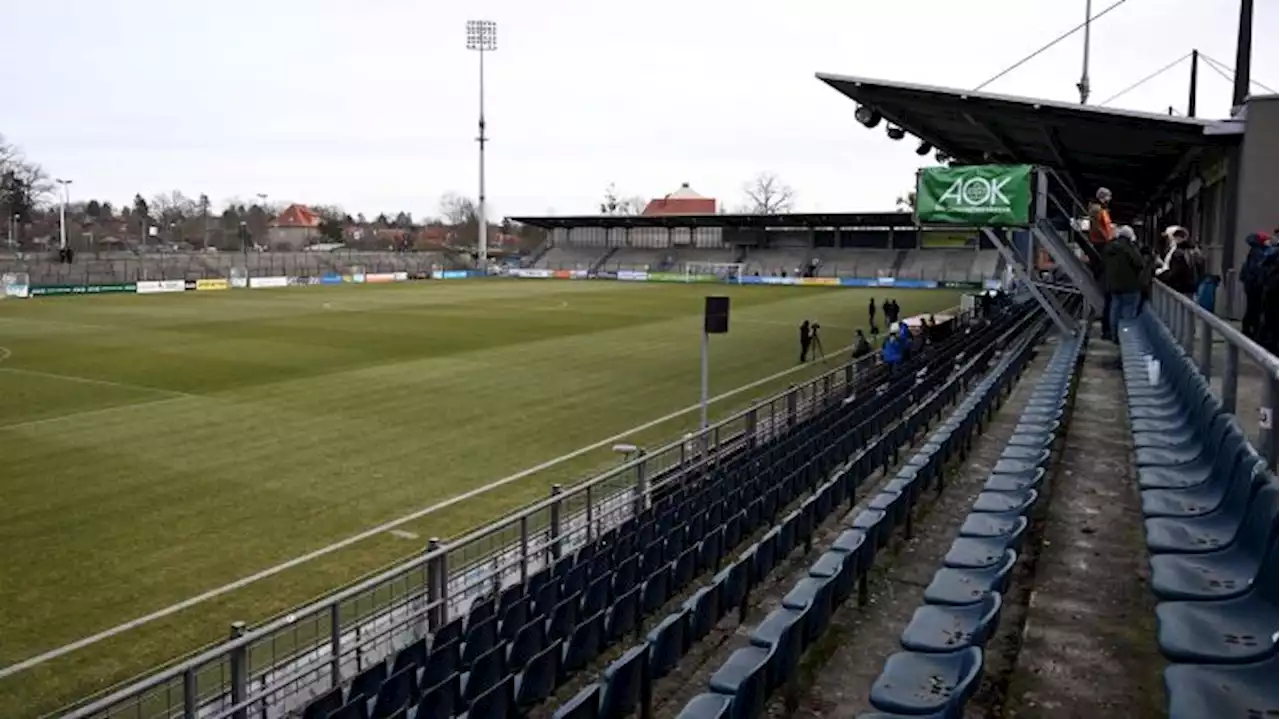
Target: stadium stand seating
{"x": 571, "y": 258}
{"x": 512, "y": 650}
{"x": 1209, "y": 507}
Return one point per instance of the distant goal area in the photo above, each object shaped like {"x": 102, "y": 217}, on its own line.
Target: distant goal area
{"x": 847, "y": 249}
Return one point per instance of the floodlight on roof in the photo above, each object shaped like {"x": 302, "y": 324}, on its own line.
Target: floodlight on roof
{"x": 482, "y": 35}
{"x": 867, "y": 116}
{"x": 924, "y": 148}
{"x": 894, "y": 132}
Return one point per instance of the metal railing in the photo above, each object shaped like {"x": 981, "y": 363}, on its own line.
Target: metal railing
{"x": 278, "y": 666}
{"x": 1202, "y": 334}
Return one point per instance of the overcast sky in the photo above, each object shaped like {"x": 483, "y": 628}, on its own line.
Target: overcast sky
{"x": 371, "y": 104}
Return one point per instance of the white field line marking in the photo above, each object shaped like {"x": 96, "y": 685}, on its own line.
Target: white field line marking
{"x": 6, "y": 353}
{"x": 403, "y": 534}
{"x": 90, "y": 412}
{"x": 380, "y": 529}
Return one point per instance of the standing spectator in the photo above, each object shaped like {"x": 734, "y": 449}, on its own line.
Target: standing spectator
{"x": 1183, "y": 266}
{"x": 871, "y": 311}
{"x": 1270, "y": 319}
{"x": 1101, "y": 231}
{"x": 1148, "y": 274}
{"x": 1122, "y": 267}
{"x": 861, "y": 348}
{"x": 892, "y": 352}
{"x": 806, "y": 339}
{"x": 887, "y": 308}
{"x": 1253, "y": 279}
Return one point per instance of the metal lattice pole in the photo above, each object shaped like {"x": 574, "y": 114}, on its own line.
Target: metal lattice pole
{"x": 482, "y": 36}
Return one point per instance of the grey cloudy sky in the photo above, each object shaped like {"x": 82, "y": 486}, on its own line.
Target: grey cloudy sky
{"x": 371, "y": 105}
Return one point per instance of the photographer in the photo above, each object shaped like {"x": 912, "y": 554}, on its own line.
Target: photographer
{"x": 806, "y": 339}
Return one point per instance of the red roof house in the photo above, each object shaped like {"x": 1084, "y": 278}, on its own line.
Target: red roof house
{"x": 683, "y": 201}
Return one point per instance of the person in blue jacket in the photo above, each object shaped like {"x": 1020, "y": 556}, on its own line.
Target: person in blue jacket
{"x": 892, "y": 352}
{"x": 904, "y": 340}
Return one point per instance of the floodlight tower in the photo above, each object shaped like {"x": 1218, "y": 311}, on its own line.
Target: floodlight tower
{"x": 482, "y": 36}
{"x": 62, "y": 211}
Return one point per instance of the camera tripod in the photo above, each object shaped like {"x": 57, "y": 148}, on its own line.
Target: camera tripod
{"x": 818, "y": 351}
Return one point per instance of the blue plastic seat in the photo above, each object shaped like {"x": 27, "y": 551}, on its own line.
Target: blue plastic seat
{"x": 1219, "y": 574}
{"x": 528, "y": 641}
{"x": 940, "y": 628}
{"x": 1020, "y": 466}
{"x": 1203, "y": 498}
{"x": 540, "y": 677}
{"x": 1010, "y": 527}
{"x": 974, "y": 553}
{"x": 322, "y": 706}
{"x": 482, "y": 610}
{"x": 1215, "y": 530}
{"x": 623, "y": 616}
{"x": 497, "y": 702}
{"x": 668, "y": 642}
{"x": 584, "y": 644}
{"x": 892, "y": 715}
{"x": 872, "y": 523}
{"x": 733, "y": 585}
{"x": 841, "y": 569}
{"x": 1033, "y": 439}
{"x": 486, "y": 671}
{"x": 1229, "y": 450}
{"x": 968, "y": 586}
{"x": 707, "y": 706}
{"x": 621, "y": 682}
{"x": 442, "y": 662}
{"x": 442, "y": 700}
{"x": 564, "y": 617}
{"x": 1197, "y": 691}
{"x": 413, "y": 655}
{"x": 1019, "y": 482}
{"x": 357, "y": 707}
{"x": 596, "y": 598}
{"x": 1233, "y": 630}
{"x": 367, "y": 682}
{"x": 395, "y": 693}
{"x": 854, "y": 542}
{"x": 782, "y": 632}
{"x": 744, "y": 676}
{"x": 584, "y": 705}
{"x": 1173, "y": 455}
{"x": 815, "y": 595}
{"x": 704, "y": 611}
{"x": 481, "y": 639}
{"x": 918, "y": 683}
{"x": 1005, "y": 502}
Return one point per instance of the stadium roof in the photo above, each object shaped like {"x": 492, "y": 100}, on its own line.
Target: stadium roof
{"x": 795, "y": 220}
{"x": 1131, "y": 153}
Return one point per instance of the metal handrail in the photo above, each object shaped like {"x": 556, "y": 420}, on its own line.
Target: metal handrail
{"x": 1194, "y": 328}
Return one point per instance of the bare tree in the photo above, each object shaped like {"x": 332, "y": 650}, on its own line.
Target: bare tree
{"x": 23, "y": 184}
{"x": 768, "y": 195}
{"x": 457, "y": 210}
{"x": 613, "y": 204}
{"x": 907, "y": 202}
{"x": 171, "y": 207}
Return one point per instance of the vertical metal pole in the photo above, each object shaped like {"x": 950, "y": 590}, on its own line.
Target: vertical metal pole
{"x": 1083, "y": 87}
{"x": 642, "y": 486}
{"x": 1244, "y": 55}
{"x": 705, "y": 378}
{"x": 554, "y": 530}
{"x": 335, "y": 644}
{"x": 239, "y": 661}
{"x": 791, "y": 406}
{"x": 1230, "y": 373}
{"x": 524, "y": 547}
{"x": 189, "y": 698}
{"x": 1195, "y": 76}
{"x": 752, "y": 424}
{"x": 591, "y": 513}
{"x": 482, "y": 220}
{"x": 433, "y": 587}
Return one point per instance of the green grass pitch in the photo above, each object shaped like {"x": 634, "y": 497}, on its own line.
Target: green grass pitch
{"x": 154, "y": 447}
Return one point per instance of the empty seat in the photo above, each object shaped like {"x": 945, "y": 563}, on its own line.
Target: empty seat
{"x": 707, "y": 706}
{"x": 481, "y": 639}
{"x": 621, "y": 682}
{"x": 668, "y": 643}
{"x": 396, "y": 693}
{"x": 1219, "y": 574}
{"x": 1233, "y": 630}
{"x": 497, "y": 702}
{"x": 539, "y": 678}
{"x": 744, "y": 676}
{"x": 322, "y": 706}
{"x": 918, "y": 683}
{"x": 442, "y": 662}
{"x": 514, "y": 616}
{"x": 486, "y": 671}
{"x": 528, "y": 641}
{"x": 841, "y": 568}
{"x": 1005, "y": 502}
{"x": 1008, "y": 527}
{"x": 968, "y": 586}
{"x": 584, "y": 705}
{"x": 940, "y": 628}
{"x": 1215, "y": 530}
{"x": 356, "y": 708}
{"x": 656, "y": 590}
{"x": 413, "y": 655}
{"x": 812, "y": 595}
{"x": 622, "y": 616}
{"x": 975, "y": 553}
{"x": 585, "y": 643}
{"x": 563, "y": 618}
{"x": 1197, "y": 691}
{"x": 782, "y": 633}
{"x": 704, "y": 611}
{"x": 367, "y": 682}
{"x": 442, "y": 700}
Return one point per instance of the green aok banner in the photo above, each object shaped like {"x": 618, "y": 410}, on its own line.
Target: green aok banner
{"x": 974, "y": 195}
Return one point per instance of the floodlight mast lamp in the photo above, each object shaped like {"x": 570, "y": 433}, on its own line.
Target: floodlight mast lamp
{"x": 482, "y": 36}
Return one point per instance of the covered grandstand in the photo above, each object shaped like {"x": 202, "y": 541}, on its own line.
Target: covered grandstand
{"x": 868, "y": 245}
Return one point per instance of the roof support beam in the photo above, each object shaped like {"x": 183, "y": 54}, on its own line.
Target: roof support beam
{"x": 1004, "y": 144}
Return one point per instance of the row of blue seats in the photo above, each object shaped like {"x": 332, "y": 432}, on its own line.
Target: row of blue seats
{"x": 941, "y": 664}
{"x": 625, "y": 683}
{"x": 518, "y": 646}
{"x": 740, "y": 687}
{"x": 1209, "y": 505}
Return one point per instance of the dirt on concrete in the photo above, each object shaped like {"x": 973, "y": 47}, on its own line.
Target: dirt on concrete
{"x": 1088, "y": 647}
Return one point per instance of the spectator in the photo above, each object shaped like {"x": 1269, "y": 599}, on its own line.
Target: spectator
{"x": 1122, "y": 268}
{"x": 806, "y": 339}
{"x": 1101, "y": 231}
{"x": 1183, "y": 267}
{"x": 887, "y": 308}
{"x": 861, "y": 348}
{"x": 1148, "y": 273}
{"x": 892, "y": 352}
{"x": 1253, "y": 279}
{"x": 904, "y": 340}
{"x": 871, "y": 312}
{"x": 1270, "y": 320}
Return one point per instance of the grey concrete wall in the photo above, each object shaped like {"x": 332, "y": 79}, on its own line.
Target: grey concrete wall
{"x": 1259, "y": 183}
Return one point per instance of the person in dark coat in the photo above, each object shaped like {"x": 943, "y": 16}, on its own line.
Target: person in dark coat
{"x": 1122, "y": 270}
{"x": 871, "y": 311}
{"x": 1184, "y": 266}
{"x": 1270, "y": 319}
{"x": 861, "y": 348}
{"x": 806, "y": 339}
{"x": 1253, "y": 279}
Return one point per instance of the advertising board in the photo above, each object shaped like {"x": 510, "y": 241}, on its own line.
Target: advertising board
{"x": 331, "y": 279}
{"x": 380, "y": 277}
{"x": 149, "y": 287}
{"x": 533, "y": 273}
{"x": 401, "y": 276}
{"x": 633, "y": 275}
{"x": 264, "y": 282}
{"x": 451, "y": 274}
{"x": 15, "y": 284}
{"x": 39, "y": 290}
